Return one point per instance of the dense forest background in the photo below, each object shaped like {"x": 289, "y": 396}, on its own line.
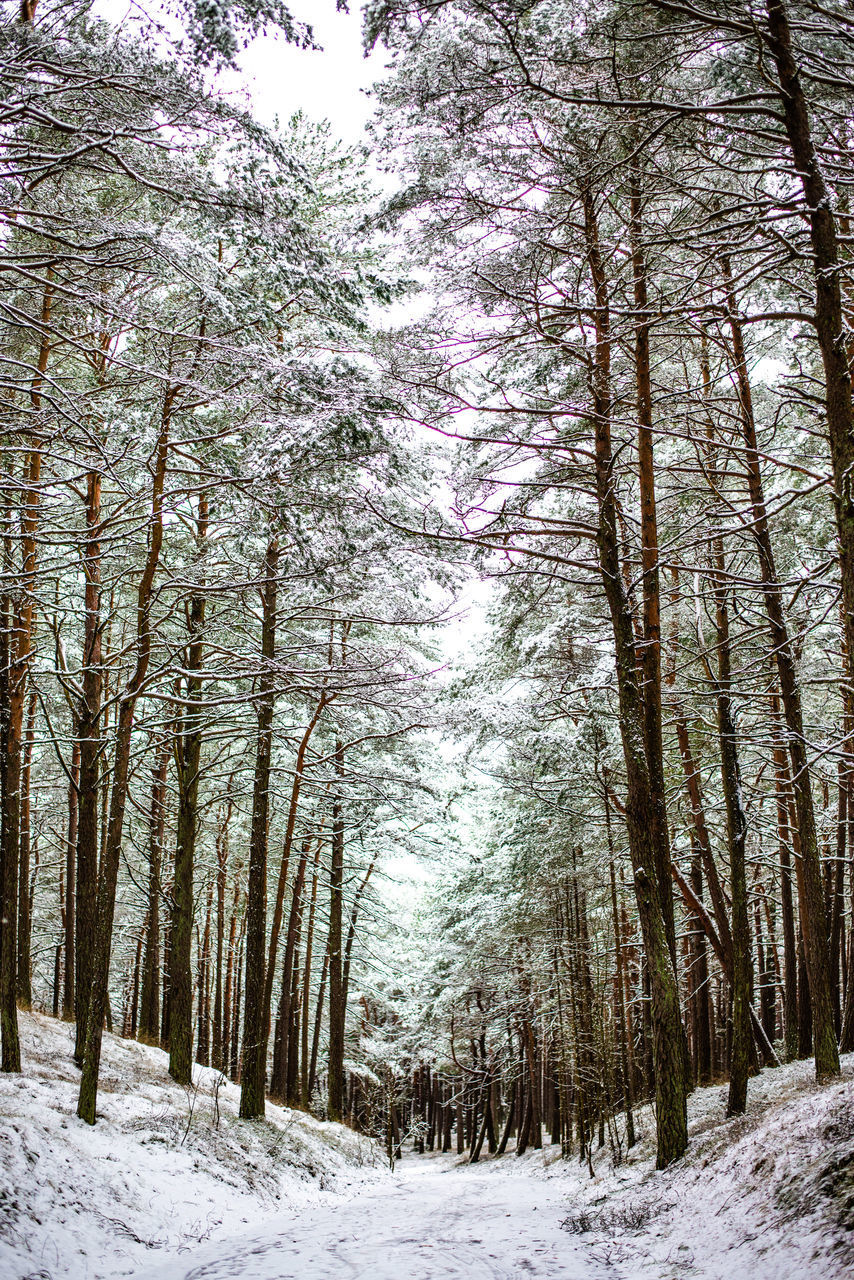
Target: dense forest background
{"x": 583, "y": 357}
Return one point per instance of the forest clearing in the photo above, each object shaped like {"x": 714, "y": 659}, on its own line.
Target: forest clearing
{"x": 426, "y": 638}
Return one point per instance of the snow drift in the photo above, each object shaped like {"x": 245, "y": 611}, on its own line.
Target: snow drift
{"x": 764, "y": 1196}
{"x": 163, "y": 1170}
{"x": 170, "y": 1182}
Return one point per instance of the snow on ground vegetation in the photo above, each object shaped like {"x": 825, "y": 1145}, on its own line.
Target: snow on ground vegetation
{"x": 765, "y": 1196}
{"x": 164, "y": 1169}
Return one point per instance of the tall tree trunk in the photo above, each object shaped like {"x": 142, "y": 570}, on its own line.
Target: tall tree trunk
{"x": 290, "y": 1049}
{"x": 736, "y": 821}
{"x": 846, "y": 1033}
{"x": 18, "y": 668}
{"x": 700, "y": 985}
{"x": 671, "y": 1111}
{"x": 337, "y": 1007}
{"x": 765, "y": 979}
{"x": 701, "y": 833}
{"x": 650, "y": 655}
{"x": 296, "y": 896}
{"x": 149, "y": 1013}
{"x": 88, "y": 735}
{"x": 70, "y": 884}
{"x": 689, "y": 767}
{"x": 622, "y": 1032}
{"x": 804, "y": 1003}
{"x": 203, "y": 1020}
{"x": 305, "y": 1093}
{"x": 238, "y": 990}
{"x": 5, "y": 687}
{"x": 837, "y": 893}
{"x": 318, "y": 1023}
{"x": 787, "y": 910}
{"x": 220, "y": 1035}
{"x": 229, "y": 996}
{"x": 109, "y": 870}
{"x": 19, "y": 665}
{"x": 188, "y": 755}
{"x": 254, "y": 1061}
{"x": 133, "y": 1020}
{"x": 280, "y": 1074}
{"x": 25, "y": 919}
{"x": 812, "y": 898}
{"x": 831, "y": 332}
{"x": 736, "y": 818}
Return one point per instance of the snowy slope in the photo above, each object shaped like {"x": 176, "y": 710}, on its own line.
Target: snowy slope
{"x": 766, "y": 1196}
{"x": 158, "y": 1174}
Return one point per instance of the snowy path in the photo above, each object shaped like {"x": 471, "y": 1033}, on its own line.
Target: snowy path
{"x": 429, "y": 1221}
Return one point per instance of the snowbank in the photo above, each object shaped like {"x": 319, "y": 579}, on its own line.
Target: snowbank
{"x": 765, "y": 1196}
{"x": 163, "y": 1170}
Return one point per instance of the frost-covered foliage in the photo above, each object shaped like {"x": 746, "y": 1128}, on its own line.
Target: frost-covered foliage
{"x": 607, "y": 857}
{"x": 615, "y": 212}
{"x": 189, "y": 305}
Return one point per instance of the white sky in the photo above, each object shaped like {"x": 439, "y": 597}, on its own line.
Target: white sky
{"x": 331, "y": 84}
{"x": 325, "y": 85}
{"x": 280, "y": 78}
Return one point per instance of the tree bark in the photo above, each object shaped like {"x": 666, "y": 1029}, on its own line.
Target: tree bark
{"x": 149, "y": 1012}
{"x": 305, "y": 1092}
{"x": 812, "y": 898}
{"x": 700, "y": 985}
{"x": 671, "y": 1112}
{"x": 203, "y": 1020}
{"x": 25, "y": 889}
{"x": 337, "y": 1008}
{"x": 15, "y": 685}
{"x": 832, "y": 341}
{"x": 188, "y": 755}
{"x": 254, "y": 1060}
{"x": 296, "y": 897}
{"x": 787, "y": 910}
{"x": 228, "y": 998}
{"x": 70, "y": 885}
{"x": 109, "y": 870}
{"x": 650, "y": 655}
{"x": 20, "y": 657}
{"x": 318, "y": 1022}
{"x": 736, "y": 822}
{"x": 220, "y": 1022}
{"x": 88, "y": 735}
{"x": 622, "y": 1032}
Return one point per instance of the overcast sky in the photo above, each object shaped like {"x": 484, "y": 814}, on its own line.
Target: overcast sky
{"x": 325, "y": 85}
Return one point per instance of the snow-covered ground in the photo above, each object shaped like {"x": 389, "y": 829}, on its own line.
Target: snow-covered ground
{"x": 433, "y": 1221}
{"x": 164, "y": 1189}
{"x": 765, "y": 1196}
{"x": 163, "y": 1171}
{"x": 769, "y": 1196}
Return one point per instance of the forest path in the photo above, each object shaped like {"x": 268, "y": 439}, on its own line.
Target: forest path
{"x": 431, "y": 1220}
